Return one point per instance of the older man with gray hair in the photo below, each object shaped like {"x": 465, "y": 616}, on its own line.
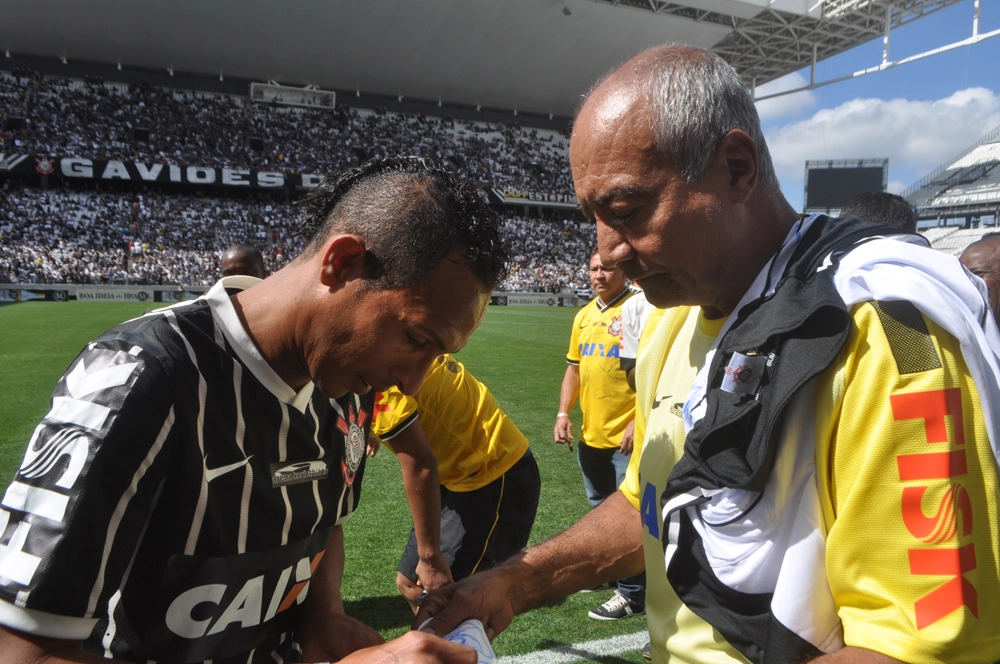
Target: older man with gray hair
{"x": 819, "y": 471}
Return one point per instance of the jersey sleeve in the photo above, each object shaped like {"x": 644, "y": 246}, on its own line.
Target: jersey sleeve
{"x": 573, "y": 354}
{"x": 910, "y": 492}
{"x": 394, "y": 411}
{"x": 78, "y": 505}
{"x": 630, "y": 485}
{"x": 631, "y": 327}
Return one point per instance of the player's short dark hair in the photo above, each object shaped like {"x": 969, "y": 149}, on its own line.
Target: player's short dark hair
{"x": 251, "y": 252}
{"x": 411, "y": 214}
{"x": 882, "y": 209}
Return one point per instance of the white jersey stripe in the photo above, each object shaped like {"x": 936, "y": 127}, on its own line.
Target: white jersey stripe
{"x": 123, "y": 502}
{"x": 199, "y": 514}
{"x": 282, "y": 457}
{"x": 109, "y": 633}
{"x": 322, "y": 453}
{"x": 241, "y": 545}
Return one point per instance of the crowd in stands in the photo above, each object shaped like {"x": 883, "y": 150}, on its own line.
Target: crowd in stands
{"x": 97, "y": 120}
{"x": 152, "y": 237}
{"x": 155, "y": 238}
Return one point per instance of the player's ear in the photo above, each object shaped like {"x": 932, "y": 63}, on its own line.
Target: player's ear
{"x": 343, "y": 260}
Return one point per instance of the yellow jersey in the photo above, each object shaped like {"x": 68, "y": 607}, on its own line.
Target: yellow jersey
{"x": 906, "y": 480}
{"x": 474, "y": 441}
{"x": 606, "y": 400}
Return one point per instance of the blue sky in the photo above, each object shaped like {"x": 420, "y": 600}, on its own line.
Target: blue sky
{"x": 919, "y": 115}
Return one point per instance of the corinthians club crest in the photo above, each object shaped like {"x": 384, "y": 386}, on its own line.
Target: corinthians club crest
{"x": 354, "y": 442}
{"x": 45, "y": 165}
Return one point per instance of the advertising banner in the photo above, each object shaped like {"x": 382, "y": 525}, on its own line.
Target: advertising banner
{"x": 520, "y": 197}
{"x": 89, "y": 294}
{"x": 137, "y": 171}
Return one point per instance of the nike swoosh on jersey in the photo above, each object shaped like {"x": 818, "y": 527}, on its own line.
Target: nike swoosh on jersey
{"x": 656, "y": 402}
{"x": 212, "y": 473}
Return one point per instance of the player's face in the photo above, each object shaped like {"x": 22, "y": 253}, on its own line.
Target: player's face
{"x": 983, "y": 260}
{"x": 665, "y": 233}
{"x": 386, "y": 338}
{"x": 241, "y": 263}
{"x": 606, "y": 281}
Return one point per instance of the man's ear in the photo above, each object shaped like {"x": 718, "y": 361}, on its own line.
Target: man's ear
{"x": 742, "y": 161}
{"x": 343, "y": 260}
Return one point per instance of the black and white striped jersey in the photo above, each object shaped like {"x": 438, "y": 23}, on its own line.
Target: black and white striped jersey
{"x": 175, "y": 500}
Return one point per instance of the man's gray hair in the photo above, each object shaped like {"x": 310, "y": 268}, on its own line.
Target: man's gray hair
{"x": 696, "y": 98}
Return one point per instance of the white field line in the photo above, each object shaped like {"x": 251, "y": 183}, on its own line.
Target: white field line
{"x": 589, "y": 650}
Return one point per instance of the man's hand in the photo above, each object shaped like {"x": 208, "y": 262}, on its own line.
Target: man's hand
{"x": 563, "y": 432}
{"x": 336, "y": 637}
{"x": 414, "y": 648}
{"x": 628, "y": 439}
{"x": 486, "y": 596}
{"x": 434, "y": 573}
{"x": 373, "y": 446}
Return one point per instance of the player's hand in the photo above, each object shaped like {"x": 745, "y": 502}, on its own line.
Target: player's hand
{"x": 628, "y": 439}
{"x": 374, "y": 444}
{"x": 335, "y": 637}
{"x": 434, "y": 573}
{"x": 486, "y": 596}
{"x": 415, "y": 648}
{"x": 563, "y": 432}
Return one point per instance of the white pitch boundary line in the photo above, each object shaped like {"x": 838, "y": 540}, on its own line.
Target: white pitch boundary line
{"x": 589, "y": 650}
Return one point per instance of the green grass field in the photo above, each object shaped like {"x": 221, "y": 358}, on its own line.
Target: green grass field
{"x": 518, "y": 352}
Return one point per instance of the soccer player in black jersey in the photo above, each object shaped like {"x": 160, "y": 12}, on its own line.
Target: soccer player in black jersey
{"x": 183, "y": 499}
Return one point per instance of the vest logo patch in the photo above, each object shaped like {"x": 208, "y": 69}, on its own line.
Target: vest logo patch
{"x": 744, "y": 373}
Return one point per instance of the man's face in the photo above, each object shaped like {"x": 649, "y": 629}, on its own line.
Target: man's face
{"x": 385, "y": 338}
{"x": 241, "y": 263}
{"x": 606, "y": 281}
{"x": 983, "y": 260}
{"x": 665, "y": 233}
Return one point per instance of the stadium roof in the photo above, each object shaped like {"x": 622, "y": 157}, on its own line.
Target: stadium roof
{"x": 530, "y": 55}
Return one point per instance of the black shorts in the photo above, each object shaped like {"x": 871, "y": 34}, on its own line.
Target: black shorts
{"x": 482, "y": 528}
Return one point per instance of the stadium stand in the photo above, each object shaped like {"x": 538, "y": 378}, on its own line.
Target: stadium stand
{"x": 152, "y": 234}
{"x": 86, "y": 237}
{"x": 962, "y": 196}
{"x": 97, "y": 120}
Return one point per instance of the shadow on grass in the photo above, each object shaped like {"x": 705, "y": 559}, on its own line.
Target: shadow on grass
{"x": 381, "y": 613}
{"x": 582, "y": 653}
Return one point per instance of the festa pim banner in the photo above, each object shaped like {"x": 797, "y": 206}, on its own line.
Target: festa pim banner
{"x": 137, "y": 171}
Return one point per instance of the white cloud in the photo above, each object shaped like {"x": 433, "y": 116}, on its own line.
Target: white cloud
{"x": 916, "y": 136}
{"x": 896, "y": 186}
{"x": 790, "y": 104}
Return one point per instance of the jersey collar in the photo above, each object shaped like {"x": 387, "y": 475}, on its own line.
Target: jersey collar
{"x": 229, "y": 322}
{"x": 618, "y": 298}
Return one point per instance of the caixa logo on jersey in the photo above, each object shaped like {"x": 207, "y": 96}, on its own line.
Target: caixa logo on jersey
{"x": 212, "y": 608}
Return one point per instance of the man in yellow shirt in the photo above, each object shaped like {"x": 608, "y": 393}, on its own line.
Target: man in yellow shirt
{"x": 594, "y": 376}
{"x": 471, "y": 481}
{"x": 818, "y": 478}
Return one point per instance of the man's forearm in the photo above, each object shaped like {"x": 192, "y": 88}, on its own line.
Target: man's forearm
{"x": 423, "y": 490}
{"x": 423, "y": 493}
{"x": 604, "y": 545}
{"x": 569, "y": 392}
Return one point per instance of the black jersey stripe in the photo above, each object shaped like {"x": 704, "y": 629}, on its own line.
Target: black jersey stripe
{"x": 240, "y": 432}
{"x": 123, "y": 504}
{"x": 199, "y": 514}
